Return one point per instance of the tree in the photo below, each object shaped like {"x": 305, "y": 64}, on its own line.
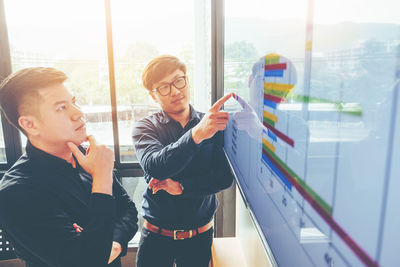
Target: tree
{"x": 240, "y": 51}
{"x": 239, "y": 59}
{"x": 129, "y": 73}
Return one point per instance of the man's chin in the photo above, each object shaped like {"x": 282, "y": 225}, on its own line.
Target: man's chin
{"x": 180, "y": 109}
{"x": 176, "y": 111}
{"x": 79, "y": 140}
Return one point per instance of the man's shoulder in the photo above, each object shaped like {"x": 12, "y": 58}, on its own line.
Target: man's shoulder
{"x": 21, "y": 197}
{"x": 152, "y": 120}
{"x": 22, "y": 187}
{"x": 199, "y": 114}
{"x": 196, "y": 112}
{"x": 19, "y": 178}
{"x": 154, "y": 117}
{"x": 15, "y": 191}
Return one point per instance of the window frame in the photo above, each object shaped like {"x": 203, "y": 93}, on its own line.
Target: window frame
{"x": 12, "y": 138}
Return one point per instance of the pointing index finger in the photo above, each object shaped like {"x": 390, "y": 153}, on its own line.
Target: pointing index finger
{"x": 217, "y": 105}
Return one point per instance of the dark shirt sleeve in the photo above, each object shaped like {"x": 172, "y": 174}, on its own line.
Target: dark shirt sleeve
{"x": 31, "y": 220}
{"x": 159, "y": 161}
{"x": 211, "y": 180}
{"x": 126, "y": 218}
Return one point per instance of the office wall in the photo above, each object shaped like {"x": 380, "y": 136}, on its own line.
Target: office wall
{"x": 248, "y": 237}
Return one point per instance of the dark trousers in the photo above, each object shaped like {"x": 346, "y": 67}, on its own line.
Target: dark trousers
{"x": 115, "y": 263}
{"x": 161, "y": 251}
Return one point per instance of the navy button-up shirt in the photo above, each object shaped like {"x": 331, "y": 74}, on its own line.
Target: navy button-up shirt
{"x": 166, "y": 150}
{"x": 42, "y": 196}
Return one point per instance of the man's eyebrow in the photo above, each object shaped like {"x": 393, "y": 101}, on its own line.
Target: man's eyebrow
{"x": 176, "y": 76}
{"x": 64, "y": 101}
{"x": 60, "y": 102}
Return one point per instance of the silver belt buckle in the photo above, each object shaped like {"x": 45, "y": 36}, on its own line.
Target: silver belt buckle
{"x": 181, "y": 231}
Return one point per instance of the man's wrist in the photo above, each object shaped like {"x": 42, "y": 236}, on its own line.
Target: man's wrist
{"x": 104, "y": 187}
{"x": 195, "y": 135}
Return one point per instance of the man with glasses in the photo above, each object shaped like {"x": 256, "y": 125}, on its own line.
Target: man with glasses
{"x": 180, "y": 151}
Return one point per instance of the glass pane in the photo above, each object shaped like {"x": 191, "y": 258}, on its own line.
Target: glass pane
{"x": 256, "y": 28}
{"x": 314, "y": 138}
{"x": 70, "y": 36}
{"x": 142, "y": 32}
{"x": 3, "y": 158}
{"x": 355, "y": 59}
{"x": 135, "y": 187}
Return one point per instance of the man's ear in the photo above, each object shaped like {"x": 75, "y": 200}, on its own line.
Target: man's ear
{"x": 29, "y": 124}
{"x": 153, "y": 95}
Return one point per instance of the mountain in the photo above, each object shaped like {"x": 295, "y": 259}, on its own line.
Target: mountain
{"x": 288, "y": 36}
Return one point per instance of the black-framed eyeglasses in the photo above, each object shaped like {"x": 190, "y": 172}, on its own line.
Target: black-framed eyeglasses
{"x": 165, "y": 89}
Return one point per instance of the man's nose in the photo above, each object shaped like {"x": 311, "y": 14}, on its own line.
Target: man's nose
{"x": 76, "y": 113}
{"x": 174, "y": 91}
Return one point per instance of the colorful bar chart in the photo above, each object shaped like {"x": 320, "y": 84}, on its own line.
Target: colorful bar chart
{"x": 278, "y": 110}
{"x": 277, "y": 86}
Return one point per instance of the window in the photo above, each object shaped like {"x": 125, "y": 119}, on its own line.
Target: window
{"x": 135, "y": 186}
{"x": 72, "y": 42}
{"x": 75, "y": 42}
{"x": 142, "y": 32}
{"x": 3, "y": 158}
{"x": 256, "y": 28}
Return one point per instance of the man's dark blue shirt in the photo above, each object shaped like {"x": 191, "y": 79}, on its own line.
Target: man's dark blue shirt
{"x": 166, "y": 150}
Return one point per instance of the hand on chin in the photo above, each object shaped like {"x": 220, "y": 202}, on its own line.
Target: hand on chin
{"x": 79, "y": 140}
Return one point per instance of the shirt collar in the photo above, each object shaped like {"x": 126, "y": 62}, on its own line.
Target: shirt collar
{"x": 165, "y": 118}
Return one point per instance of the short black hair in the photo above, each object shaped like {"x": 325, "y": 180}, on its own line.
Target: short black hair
{"x": 160, "y": 67}
{"x": 19, "y": 91}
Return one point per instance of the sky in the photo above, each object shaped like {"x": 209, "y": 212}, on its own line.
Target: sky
{"x": 326, "y": 11}
{"x": 77, "y": 28}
